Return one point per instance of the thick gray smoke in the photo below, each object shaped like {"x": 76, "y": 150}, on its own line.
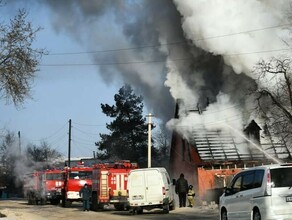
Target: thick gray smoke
{"x": 206, "y": 50}
{"x": 185, "y": 71}
{"x": 242, "y": 33}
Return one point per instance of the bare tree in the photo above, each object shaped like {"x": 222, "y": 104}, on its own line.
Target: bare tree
{"x": 42, "y": 153}
{"x": 274, "y": 96}
{"x": 9, "y": 154}
{"x": 18, "y": 59}
{"x": 162, "y": 140}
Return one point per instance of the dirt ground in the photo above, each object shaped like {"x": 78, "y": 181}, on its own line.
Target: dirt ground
{"x": 20, "y": 210}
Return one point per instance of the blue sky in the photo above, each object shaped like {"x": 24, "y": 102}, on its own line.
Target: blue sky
{"x": 60, "y": 94}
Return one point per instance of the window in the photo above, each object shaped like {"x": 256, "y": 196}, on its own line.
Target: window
{"x": 236, "y": 186}
{"x": 54, "y": 176}
{"x": 248, "y": 180}
{"x": 258, "y": 178}
{"x": 80, "y": 175}
{"x": 281, "y": 177}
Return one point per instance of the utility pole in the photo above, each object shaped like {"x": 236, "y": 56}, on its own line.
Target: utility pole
{"x": 69, "y": 145}
{"x": 149, "y": 139}
{"x": 19, "y": 142}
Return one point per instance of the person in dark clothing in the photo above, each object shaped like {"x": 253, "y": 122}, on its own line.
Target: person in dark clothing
{"x": 85, "y": 194}
{"x": 181, "y": 188}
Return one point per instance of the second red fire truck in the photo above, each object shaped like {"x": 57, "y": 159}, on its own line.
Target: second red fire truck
{"x": 109, "y": 184}
{"x": 75, "y": 178}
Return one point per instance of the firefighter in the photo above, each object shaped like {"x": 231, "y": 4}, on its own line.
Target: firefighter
{"x": 181, "y": 188}
{"x": 85, "y": 194}
{"x": 191, "y": 195}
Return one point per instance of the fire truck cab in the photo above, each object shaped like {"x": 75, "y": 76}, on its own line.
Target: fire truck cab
{"x": 43, "y": 186}
{"x": 75, "y": 178}
{"x": 109, "y": 184}
{"x": 54, "y": 182}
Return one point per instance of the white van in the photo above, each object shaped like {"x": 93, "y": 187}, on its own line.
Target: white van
{"x": 150, "y": 188}
{"x": 259, "y": 193}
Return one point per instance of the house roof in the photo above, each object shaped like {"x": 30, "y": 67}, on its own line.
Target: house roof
{"x": 222, "y": 146}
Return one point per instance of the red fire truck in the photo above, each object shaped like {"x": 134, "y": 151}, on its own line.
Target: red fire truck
{"x": 75, "y": 178}
{"x": 33, "y": 188}
{"x": 109, "y": 184}
{"x": 43, "y": 186}
{"x": 54, "y": 182}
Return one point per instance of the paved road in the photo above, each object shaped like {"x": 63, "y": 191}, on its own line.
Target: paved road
{"x": 19, "y": 210}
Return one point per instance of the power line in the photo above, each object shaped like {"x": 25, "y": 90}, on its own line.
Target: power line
{"x": 50, "y": 136}
{"x": 81, "y": 148}
{"x": 118, "y": 49}
{"x": 90, "y": 125}
{"x": 160, "y": 61}
{"x": 84, "y": 132}
{"x": 83, "y": 143}
{"x": 243, "y": 32}
{"x": 171, "y": 43}
{"x": 115, "y": 63}
{"x": 85, "y": 140}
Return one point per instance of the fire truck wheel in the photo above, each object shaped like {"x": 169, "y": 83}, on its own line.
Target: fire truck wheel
{"x": 127, "y": 207}
{"x": 68, "y": 203}
{"x": 43, "y": 201}
{"x": 63, "y": 197}
{"x": 119, "y": 207}
{"x": 94, "y": 201}
{"x": 29, "y": 199}
{"x": 55, "y": 201}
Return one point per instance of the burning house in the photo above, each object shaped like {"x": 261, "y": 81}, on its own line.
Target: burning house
{"x": 209, "y": 158}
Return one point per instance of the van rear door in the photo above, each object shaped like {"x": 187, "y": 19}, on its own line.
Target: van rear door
{"x": 137, "y": 186}
{"x": 153, "y": 186}
{"x": 281, "y": 191}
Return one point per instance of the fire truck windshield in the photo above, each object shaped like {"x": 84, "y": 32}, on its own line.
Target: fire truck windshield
{"x": 80, "y": 175}
{"x": 54, "y": 176}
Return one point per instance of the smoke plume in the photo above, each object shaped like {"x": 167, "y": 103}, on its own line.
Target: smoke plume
{"x": 199, "y": 52}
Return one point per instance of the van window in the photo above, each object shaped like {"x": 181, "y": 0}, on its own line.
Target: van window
{"x": 281, "y": 177}
{"x": 247, "y": 182}
{"x": 236, "y": 184}
{"x": 258, "y": 178}
{"x": 168, "y": 181}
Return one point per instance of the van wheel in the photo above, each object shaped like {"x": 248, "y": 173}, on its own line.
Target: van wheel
{"x": 224, "y": 215}
{"x": 172, "y": 205}
{"x": 166, "y": 209}
{"x": 256, "y": 215}
{"x": 140, "y": 211}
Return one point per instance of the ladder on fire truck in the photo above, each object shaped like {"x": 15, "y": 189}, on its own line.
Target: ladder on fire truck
{"x": 104, "y": 185}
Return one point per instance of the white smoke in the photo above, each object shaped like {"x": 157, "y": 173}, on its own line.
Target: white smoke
{"x": 221, "y": 115}
{"x": 242, "y": 32}
{"x": 178, "y": 86}
{"x": 225, "y": 28}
